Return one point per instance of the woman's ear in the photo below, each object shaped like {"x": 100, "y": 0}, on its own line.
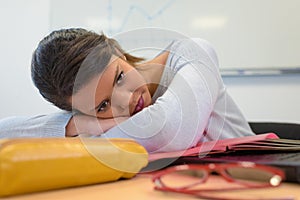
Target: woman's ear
{"x": 124, "y": 57}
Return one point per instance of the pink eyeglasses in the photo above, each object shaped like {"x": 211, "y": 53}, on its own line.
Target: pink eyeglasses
{"x": 190, "y": 179}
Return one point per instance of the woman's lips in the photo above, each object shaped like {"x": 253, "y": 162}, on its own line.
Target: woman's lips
{"x": 140, "y": 105}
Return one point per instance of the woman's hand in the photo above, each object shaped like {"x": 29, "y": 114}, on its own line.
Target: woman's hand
{"x": 83, "y": 124}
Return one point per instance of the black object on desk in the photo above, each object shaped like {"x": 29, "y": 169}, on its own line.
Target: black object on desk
{"x": 289, "y": 162}
{"x": 283, "y": 130}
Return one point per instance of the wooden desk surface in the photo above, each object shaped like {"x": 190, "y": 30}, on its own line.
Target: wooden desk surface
{"x": 141, "y": 188}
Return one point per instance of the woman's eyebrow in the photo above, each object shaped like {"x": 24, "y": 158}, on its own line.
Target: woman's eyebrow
{"x": 116, "y": 74}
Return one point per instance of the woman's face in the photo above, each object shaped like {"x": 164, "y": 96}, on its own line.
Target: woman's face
{"x": 119, "y": 91}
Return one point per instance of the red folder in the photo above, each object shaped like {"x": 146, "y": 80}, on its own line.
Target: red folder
{"x": 267, "y": 141}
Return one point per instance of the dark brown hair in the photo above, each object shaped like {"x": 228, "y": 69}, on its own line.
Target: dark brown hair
{"x": 60, "y": 56}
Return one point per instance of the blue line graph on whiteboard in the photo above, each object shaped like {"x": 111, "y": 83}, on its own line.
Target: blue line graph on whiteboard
{"x": 134, "y": 8}
{"x": 111, "y": 16}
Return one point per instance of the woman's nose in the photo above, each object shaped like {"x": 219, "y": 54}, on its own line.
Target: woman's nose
{"x": 121, "y": 99}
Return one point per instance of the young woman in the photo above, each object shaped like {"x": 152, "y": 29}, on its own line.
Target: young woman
{"x": 168, "y": 103}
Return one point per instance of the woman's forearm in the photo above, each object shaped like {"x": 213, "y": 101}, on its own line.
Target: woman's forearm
{"x": 51, "y": 125}
{"x": 83, "y": 124}
{"x": 59, "y": 124}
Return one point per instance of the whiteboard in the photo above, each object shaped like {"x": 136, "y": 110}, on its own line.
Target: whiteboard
{"x": 257, "y": 34}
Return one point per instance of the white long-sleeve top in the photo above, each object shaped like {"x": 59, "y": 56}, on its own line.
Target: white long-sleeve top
{"x": 190, "y": 105}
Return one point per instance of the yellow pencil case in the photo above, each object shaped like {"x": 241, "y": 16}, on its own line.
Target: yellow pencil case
{"x": 39, "y": 164}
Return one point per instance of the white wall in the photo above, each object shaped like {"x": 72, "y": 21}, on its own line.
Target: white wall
{"x": 267, "y": 98}
{"x": 24, "y": 23}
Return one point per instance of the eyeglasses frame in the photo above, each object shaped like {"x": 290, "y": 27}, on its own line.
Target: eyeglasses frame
{"x": 214, "y": 167}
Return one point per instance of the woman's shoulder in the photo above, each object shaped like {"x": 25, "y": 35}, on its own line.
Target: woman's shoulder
{"x": 192, "y": 48}
{"x": 191, "y": 43}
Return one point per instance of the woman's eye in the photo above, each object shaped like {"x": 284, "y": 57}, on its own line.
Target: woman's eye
{"x": 103, "y": 106}
{"x": 120, "y": 77}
